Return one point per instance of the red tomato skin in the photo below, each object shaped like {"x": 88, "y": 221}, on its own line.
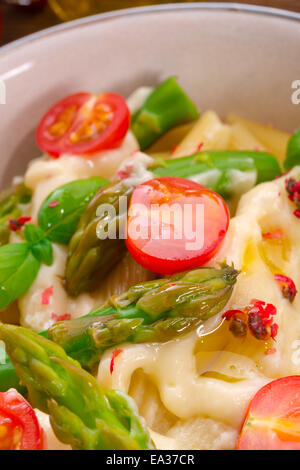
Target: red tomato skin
{"x": 54, "y": 147}
{"x": 279, "y": 399}
{"x": 14, "y": 407}
{"x": 110, "y": 138}
{"x": 114, "y": 134}
{"x": 165, "y": 265}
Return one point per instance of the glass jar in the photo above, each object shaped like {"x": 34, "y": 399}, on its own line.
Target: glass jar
{"x": 72, "y": 9}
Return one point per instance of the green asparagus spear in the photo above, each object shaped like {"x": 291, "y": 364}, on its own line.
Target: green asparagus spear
{"x": 166, "y": 107}
{"x": 122, "y": 318}
{"x": 293, "y": 151}
{"x": 12, "y": 204}
{"x": 8, "y": 376}
{"x": 82, "y": 413}
{"x": 83, "y": 270}
{"x": 222, "y": 171}
{"x": 155, "y": 311}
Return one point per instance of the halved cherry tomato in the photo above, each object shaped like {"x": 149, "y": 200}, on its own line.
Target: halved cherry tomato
{"x": 175, "y": 224}
{"x": 273, "y": 418}
{"x": 84, "y": 124}
{"x": 19, "y": 426}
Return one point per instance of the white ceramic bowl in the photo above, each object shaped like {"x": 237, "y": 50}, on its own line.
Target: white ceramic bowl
{"x": 229, "y": 57}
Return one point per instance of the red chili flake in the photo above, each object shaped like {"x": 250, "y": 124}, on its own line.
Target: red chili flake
{"x": 115, "y": 354}
{"x": 258, "y": 318}
{"x": 65, "y": 316}
{"x": 256, "y": 301}
{"x": 198, "y": 149}
{"x": 274, "y": 330}
{"x": 17, "y": 224}
{"x": 292, "y": 185}
{"x": 270, "y": 351}
{"x": 174, "y": 148}
{"x": 238, "y": 325}
{"x": 230, "y": 313}
{"x": 293, "y": 189}
{"x": 46, "y": 294}
{"x": 287, "y": 286}
{"x": 258, "y": 149}
{"x": 53, "y": 204}
{"x": 276, "y": 234}
{"x": 123, "y": 174}
{"x": 23, "y": 220}
{"x": 297, "y": 213}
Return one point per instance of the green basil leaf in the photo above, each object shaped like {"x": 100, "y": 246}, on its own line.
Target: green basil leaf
{"x": 61, "y": 210}
{"x": 293, "y": 151}
{"x": 41, "y": 247}
{"x": 43, "y": 252}
{"x": 18, "y": 270}
{"x": 33, "y": 234}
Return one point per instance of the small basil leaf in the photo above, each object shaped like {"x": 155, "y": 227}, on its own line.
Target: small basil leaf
{"x": 19, "y": 269}
{"x": 33, "y": 234}
{"x": 61, "y": 210}
{"x": 43, "y": 252}
{"x": 41, "y": 247}
{"x": 293, "y": 151}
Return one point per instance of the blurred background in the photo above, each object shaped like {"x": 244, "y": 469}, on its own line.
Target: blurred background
{"x": 21, "y": 17}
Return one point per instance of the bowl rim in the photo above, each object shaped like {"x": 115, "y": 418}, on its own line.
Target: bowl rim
{"x": 170, "y": 7}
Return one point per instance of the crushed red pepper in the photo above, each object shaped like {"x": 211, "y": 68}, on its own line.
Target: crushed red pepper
{"x": 276, "y": 234}
{"x": 256, "y": 318}
{"x": 46, "y": 294}
{"x": 293, "y": 189}
{"x": 53, "y": 204}
{"x": 17, "y": 224}
{"x": 287, "y": 286}
{"x": 63, "y": 317}
{"x": 297, "y": 213}
{"x": 115, "y": 354}
{"x": 260, "y": 320}
{"x": 123, "y": 174}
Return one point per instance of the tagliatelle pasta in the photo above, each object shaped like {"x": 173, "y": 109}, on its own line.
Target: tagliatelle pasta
{"x": 273, "y": 139}
{"x": 208, "y": 133}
